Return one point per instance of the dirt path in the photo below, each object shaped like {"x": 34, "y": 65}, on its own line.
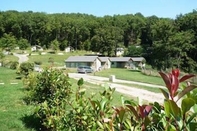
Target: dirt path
{"x": 22, "y": 57}
{"x": 128, "y": 90}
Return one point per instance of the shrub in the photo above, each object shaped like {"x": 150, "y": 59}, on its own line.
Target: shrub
{"x": 61, "y": 108}
{"x": 25, "y": 68}
{"x": 6, "y": 63}
{"x": 52, "y": 52}
{"x": 49, "y": 90}
{"x": 14, "y": 64}
{"x": 38, "y": 62}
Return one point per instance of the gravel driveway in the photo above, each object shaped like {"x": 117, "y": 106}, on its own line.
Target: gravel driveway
{"x": 128, "y": 90}
{"x": 22, "y": 57}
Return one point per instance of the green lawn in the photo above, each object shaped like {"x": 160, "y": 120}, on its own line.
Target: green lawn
{"x": 16, "y": 115}
{"x": 95, "y": 89}
{"x": 12, "y": 108}
{"x": 58, "y": 59}
{"x": 9, "y": 58}
{"x": 126, "y": 74}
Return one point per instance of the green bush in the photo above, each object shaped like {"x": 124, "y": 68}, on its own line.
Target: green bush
{"x": 49, "y": 90}
{"x": 14, "y": 64}
{"x": 6, "y": 63}
{"x": 25, "y": 68}
{"x": 61, "y": 108}
{"x": 52, "y": 52}
{"x": 38, "y": 62}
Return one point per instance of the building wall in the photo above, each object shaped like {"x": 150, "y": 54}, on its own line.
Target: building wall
{"x": 106, "y": 65}
{"x": 120, "y": 64}
{"x": 76, "y": 64}
{"x": 94, "y": 65}
{"x": 97, "y": 64}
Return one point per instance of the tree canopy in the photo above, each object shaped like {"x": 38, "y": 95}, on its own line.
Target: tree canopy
{"x": 166, "y": 42}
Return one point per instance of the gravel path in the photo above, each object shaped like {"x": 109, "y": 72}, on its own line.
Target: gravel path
{"x": 22, "y": 57}
{"x": 128, "y": 90}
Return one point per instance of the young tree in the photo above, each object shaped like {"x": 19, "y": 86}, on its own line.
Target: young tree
{"x": 55, "y": 45}
{"x": 23, "y": 44}
{"x": 134, "y": 51}
{"x": 8, "y": 42}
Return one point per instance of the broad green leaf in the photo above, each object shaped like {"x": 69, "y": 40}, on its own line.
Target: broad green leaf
{"x": 128, "y": 124}
{"x": 103, "y": 103}
{"x": 186, "y": 90}
{"x": 191, "y": 118}
{"x": 195, "y": 107}
{"x": 157, "y": 107}
{"x": 132, "y": 109}
{"x": 147, "y": 121}
{"x": 130, "y": 102}
{"x": 95, "y": 104}
{"x": 121, "y": 114}
{"x": 193, "y": 126}
{"x": 100, "y": 125}
{"x": 80, "y": 82}
{"x": 175, "y": 109}
{"x": 167, "y": 108}
{"x": 186, "y": 104}
{"x": 166, "y": 95}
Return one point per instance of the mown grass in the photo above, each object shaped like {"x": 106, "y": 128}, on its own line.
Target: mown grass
{"x": 96, "y": 89}
{"x": 8, "y": 58}
{"x": 126, "y": 74}
{"x": 17, "y": 116}
{"x": 12, "y": 107}
{"x": 59, "y": 59}
{"x": 152, "y": 89}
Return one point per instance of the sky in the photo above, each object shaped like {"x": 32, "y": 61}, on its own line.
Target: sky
{"x": 160, "y": 8}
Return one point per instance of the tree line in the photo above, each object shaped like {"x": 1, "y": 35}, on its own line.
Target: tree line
{"x": 164, "y": 42}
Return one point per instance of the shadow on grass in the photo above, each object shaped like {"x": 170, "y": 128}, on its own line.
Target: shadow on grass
{"x": 135, "y": 70}
{"x": 32, "y": 122}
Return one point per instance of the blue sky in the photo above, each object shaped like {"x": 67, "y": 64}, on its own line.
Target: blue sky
{"x": 160, "y": 8}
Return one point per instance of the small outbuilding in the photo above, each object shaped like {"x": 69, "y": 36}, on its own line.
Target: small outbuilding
{"x": 69, "y": 49}
{"x": 36, "y": 48}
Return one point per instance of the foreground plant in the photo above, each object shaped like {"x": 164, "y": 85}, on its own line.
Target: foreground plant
{"x": 178, "y": 118}
{"x": 61, "y": 107}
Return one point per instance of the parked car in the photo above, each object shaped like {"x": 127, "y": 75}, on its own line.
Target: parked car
{"x": 84, "y": 69}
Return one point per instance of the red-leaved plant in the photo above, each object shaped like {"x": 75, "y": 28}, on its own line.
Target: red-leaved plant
{"x": 178, "y": 118}
{"x": 172, "y": 82}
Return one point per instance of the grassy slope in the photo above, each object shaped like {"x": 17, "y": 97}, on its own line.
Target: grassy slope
{"x": 58, "y": 59}
{"x": 15, "y": 115}
{"x": 126, "y": 74}
{"x": 12, "y": 108}
{"x": 96, "y": 89}
{"x": 10, "y": 58}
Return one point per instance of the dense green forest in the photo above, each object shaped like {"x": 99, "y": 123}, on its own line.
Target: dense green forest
{"x": 164, "y": 42}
